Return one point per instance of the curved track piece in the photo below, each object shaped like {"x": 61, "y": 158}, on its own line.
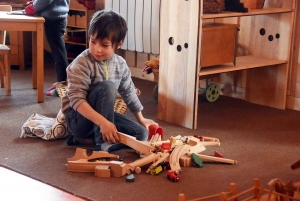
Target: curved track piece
{"x": 175, "y": 155}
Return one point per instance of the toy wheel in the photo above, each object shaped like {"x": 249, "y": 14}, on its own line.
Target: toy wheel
{"x": 155, "y": 93}
{"x": 212, "y": 92}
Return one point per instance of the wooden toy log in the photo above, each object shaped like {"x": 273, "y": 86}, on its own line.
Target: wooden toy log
{"x": 144, "y": 161}
{"x": 162, "y": 158}
{"x": 82, "y": 165}
{"x": 211, "y": 143}
{"x": 217, "y": 159}
{"x": 135, "y": 144}
{"x": 210, "y": 139}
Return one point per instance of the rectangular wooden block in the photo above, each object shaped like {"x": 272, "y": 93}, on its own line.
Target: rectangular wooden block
{"x": 218, "y": 43}
{"x": 185, "y": 161}
{"x": 102, "y": 171}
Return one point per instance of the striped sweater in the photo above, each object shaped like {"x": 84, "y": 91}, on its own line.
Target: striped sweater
{"x": 85, "y": 71}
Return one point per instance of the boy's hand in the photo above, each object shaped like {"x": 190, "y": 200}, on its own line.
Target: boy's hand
{"x": 148, "y": 122}
{"x": 109, "y": 132}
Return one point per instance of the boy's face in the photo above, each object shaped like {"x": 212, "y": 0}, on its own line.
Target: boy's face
{"x": 101, "y": 49}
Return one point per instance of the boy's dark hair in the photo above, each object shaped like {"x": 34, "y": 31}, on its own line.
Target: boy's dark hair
{"x": 108, "y": 24}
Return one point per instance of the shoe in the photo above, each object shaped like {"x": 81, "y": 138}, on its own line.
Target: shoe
{"x": 52, "y": 92}
{"x": 73, "y": 140}
{"x": 57, "y": 84}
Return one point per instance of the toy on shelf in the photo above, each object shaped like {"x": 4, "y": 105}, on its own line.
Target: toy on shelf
{"x": 152, "y": 66}
{"x": 212, "y": 90}
{"x": 181, "y": 152}
{"x": 89, "y": 4}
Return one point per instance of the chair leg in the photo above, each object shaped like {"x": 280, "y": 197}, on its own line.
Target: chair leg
{"x": 7, "y": 75}
{"x": 2, "y": 73}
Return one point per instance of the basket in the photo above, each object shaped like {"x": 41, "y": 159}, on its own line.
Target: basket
{"x": 213, "y": 6}
{"x": 156, "y": 75}
{"x": 119, "y": 107}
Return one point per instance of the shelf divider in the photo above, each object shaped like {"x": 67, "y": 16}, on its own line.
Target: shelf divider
{"x": 242, "y": 63}
{"x": 251, "y": 12}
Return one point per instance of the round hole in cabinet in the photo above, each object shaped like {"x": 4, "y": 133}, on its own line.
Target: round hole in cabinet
{"x": 270, "y": 38}
{"x": 171, "y": 40}
{"x": 262, "y": 31}
{"x": 179, "y": 48}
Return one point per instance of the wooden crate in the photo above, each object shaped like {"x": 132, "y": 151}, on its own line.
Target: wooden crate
{"x": 254, "y": 4}
{"x": 218, "y": 43}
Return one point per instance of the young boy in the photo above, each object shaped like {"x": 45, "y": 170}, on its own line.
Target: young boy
{"x": 94, "y": 79}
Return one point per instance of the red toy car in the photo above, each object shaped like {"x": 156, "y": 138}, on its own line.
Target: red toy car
{"x": 173, "y": 176}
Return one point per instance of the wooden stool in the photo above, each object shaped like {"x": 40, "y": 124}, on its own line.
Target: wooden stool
{"x": 4, "y": 52}
{"x": 5, "y": 68}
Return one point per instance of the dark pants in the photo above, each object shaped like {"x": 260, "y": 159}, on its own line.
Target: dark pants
{"x": 102, "y": 98}
{"x": 54, "y": 31}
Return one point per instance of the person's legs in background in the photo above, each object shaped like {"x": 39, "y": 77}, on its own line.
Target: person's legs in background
{"x": 54, "y": 31}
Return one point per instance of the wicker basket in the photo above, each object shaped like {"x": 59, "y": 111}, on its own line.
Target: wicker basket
{"x": 156, "y": 75}
{"x": 120, "y": 105}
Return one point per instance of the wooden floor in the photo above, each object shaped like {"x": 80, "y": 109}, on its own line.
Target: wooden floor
{"x": 15, "y": 186}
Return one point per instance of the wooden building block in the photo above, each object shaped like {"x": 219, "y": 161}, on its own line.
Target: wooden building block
{"x": 82, "y": 165}
{"x": 185, "y": 161}
{"x": 118, "y": 168}
{"x": 102, "y": 171}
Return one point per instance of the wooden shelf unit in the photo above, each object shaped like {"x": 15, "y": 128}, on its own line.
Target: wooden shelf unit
{"x": 78, "y": 19}
{"x": 266, "y": 65}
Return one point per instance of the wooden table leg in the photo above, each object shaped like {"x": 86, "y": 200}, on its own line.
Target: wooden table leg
{"x": 21, "y": 50}
{"x": 38, "y": 62}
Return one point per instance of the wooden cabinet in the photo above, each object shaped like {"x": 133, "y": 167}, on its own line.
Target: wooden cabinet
{"x": 265, "y": 35}
{"x": 293, "y": 92}
{"x": 76, "y": 36}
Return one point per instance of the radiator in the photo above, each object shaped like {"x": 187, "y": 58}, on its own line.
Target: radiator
{"x": 142, "y": 17}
